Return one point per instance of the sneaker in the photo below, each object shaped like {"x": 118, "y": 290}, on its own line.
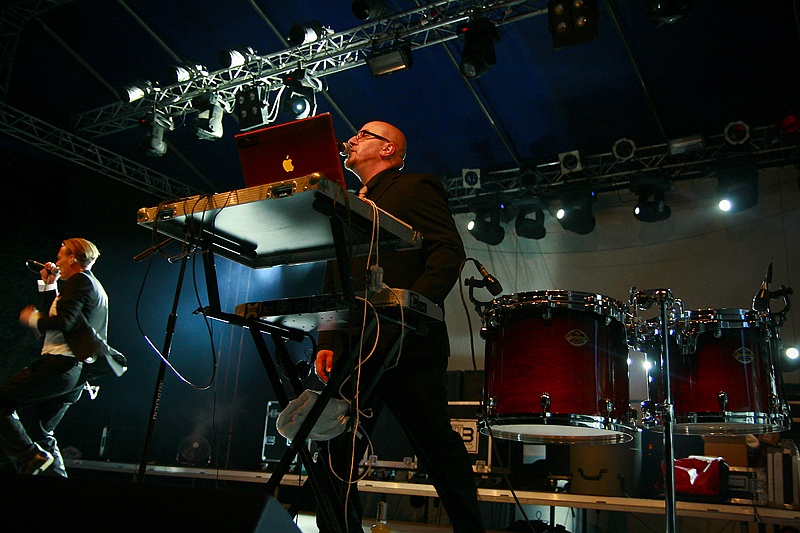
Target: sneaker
{"x": 37, "y": 464}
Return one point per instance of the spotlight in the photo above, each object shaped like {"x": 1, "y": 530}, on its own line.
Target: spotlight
{"x": 530, "y": 228}
{"x": 737, "y": 133}
{"x": 651, "y": 206}
{"x": 308, "y": 32}
{"x": 236, "y": 57}
{"x": 298, "y": 99}
{"x": 572, "y": 21}
{"x": 184, "y": 72}
{"x": 667, "y": 11}
{"x": 685, "y": 145}
{"x": 737, "y": 186}
{"x": 576, "y": 215}
{"x": 248, "y": 108}
{"x": 135, "y": 91}
{"x": 382, "y": 62}
{"x": 790, "y": 123}
{"x": 479, "y": 36}
{"x": 208, "y": 124}
{"x": 623, "y": 149}
{"x": 152, "y": 143}
{"x": 367, "y": 9}
{"x": 471, "y": 178}
{"x": 570, "y": 161}
{"x": 486, "y": 228}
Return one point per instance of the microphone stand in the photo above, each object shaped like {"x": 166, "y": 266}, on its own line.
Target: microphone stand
{"x": 480, "y": 306}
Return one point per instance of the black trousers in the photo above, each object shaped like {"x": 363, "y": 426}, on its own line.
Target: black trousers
{"x": 415, "y": 391}
{"x": 32, "y": 403}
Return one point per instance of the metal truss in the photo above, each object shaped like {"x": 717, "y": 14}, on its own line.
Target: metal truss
{"x": 423, "y": 26}
{"x": 53, "y": 140}
{"x": 540, "y": 184}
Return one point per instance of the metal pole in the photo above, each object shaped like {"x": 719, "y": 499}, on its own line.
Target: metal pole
{"x": 667, "y": 417}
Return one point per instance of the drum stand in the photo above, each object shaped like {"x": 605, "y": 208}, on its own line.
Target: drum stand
{"x": 643, "y": 300}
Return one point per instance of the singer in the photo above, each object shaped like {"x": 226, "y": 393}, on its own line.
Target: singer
{"x": 74, "y": 324}
{"x": 415, "y": 390}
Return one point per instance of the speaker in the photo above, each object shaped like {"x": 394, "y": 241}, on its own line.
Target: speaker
{"x": 39, "y": 502}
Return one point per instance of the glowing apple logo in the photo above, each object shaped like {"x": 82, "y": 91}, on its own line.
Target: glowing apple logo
{"x": 287, "y": 164}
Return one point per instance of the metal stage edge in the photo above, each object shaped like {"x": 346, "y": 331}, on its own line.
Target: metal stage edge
{"x": 740, "y": 513}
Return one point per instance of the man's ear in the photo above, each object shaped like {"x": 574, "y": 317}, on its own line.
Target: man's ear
{"x": 389, "y": 149}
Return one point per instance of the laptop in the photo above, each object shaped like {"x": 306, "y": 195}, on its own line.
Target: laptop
{"x": 292, "y": 150}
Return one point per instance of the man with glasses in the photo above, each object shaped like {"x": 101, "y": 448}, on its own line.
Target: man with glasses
{"x": 74, "y": 324}
{"x": 415, "y": 388}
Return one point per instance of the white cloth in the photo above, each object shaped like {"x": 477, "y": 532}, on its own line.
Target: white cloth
{"x": 331, "y": 423}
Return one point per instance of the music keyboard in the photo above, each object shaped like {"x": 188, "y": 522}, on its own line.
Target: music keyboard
{"x": 327, "y": 312}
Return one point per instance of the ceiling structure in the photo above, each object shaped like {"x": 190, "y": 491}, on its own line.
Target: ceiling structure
{"x": 670, "y": 88}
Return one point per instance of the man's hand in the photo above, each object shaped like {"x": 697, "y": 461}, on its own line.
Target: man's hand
{"x": 323, "y": 364}
{"x": 50, "y": 273}
{"x": 25, "y": 315}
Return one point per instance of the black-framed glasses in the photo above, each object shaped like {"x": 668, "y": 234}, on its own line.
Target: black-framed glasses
{"x": 361, "y": 134}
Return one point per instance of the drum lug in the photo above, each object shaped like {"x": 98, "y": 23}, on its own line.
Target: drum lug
{"x": 491, "y": 406}
{"x": 649, "y": 413}
{"x": 605, "y": 406}
{"x": 544, "y": 400}
{"x": 722, "y": 400}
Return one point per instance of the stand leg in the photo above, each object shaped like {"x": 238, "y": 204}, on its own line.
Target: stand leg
{"x": 668, "y": 420}
{"x": 173, "y": 318}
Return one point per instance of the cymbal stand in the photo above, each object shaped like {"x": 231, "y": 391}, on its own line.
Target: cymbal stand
{"x": 644, "y": 300}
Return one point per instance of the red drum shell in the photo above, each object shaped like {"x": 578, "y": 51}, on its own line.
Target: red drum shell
{"x": 570, "y": 346}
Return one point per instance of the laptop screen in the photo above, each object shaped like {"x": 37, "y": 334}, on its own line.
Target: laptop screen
{"x": 291, "y": 150}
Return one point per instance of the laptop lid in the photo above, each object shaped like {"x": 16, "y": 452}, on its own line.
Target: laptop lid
{"x": 290, "y": 150}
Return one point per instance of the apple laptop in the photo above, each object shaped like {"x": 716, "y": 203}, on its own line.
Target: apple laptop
{"x": 291, "y": 150}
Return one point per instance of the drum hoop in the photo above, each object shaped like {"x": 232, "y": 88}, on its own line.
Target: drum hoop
{"x": 573, "y": 300}
{"x": 725, "y": 318}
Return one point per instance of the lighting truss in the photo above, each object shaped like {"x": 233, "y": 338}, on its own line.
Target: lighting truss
{"x": 423, "y": 26}
{"x": 605, "y": 173}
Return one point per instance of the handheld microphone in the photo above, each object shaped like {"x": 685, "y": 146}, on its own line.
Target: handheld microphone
{"x": 343, "y": 147}
{"x": 30, "y": 262}
{"x": 492, "y": 284}
{"x": 762, "y": 297}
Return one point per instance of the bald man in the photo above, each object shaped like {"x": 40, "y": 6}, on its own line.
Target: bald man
{"x": 415, "y": 390}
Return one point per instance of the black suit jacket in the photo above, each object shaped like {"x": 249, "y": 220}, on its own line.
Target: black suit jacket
{"x": 419, "y": 200}
{"x": 82, "y": 317}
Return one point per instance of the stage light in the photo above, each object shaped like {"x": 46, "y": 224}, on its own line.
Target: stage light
{"x": 651, "y": 206}
{"x": 623, "y": 149}
{"x": 576, "y": 214}
{"x": 792, "y": 353}
{"x": 479, "y": 36}
{"x": 685, "y": 145}
{"x": 135, "y": 91}
{"x": 299, "y": 101}
{"x": 249, "y": 109}
{"x": 389, "y": 60}
{"x": 572, "y": 21}
{"x": 471, "y": 178}
{"x": 486, "y": 227}
{"x": 667, "y": 11}
{"x": 530, "y": 228}
{"x": 570, "y": 161}
{"x": 737, "y": 133}
{"x": 236, "y": 57}
{"x": 790, "y": 123}
{"x": 208, "y": 123}
{"x": 152, "y": 143}
{"x": 308, "y": 32}
{"x": 184, "y": 72}
{"x": 367, "y": 9}
{"x": 737, "y": 186}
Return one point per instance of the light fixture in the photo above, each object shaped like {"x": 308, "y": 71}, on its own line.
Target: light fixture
{"x": 479, "y": 36}
{"x": 575, "y": 215}
{"x": 685, "y": 145}
{"x": 298, "y": 98}
{"x": 737, "y": 186}
{"x": 530, "y": 228}
{"x": 570, "y": 161}
{"x": 367, "y": 9}
{"x": 152, "y": 143}
{"x": 236, "y": 57}
{"x": 184, "y": 72}
{"x": 471, "y": 178}
{"x": 208, "y": 123}
{"x": 737, "y": 133}
{"x": 790, "y": 123}
{"x": 486, "y": 227}
{"x": 651, "y": 206}
{"x": 135, "y": 91}
{"x": 389, "y": 60}
{"x": 667, "y": 11}
{"x": 572, "y": 21}
{"x": 308, "y": 32}
{"x": 249, "y": 109}
{"x": 623, "y": 149}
